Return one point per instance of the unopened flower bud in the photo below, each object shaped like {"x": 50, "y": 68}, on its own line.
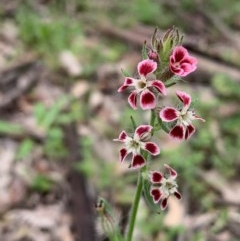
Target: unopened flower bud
{"x": 153, "y": 55}
{"x": 106, "y": 223}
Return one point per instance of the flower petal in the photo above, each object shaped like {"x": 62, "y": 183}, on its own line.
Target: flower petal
{"x": 152, "y": 148}
{"x": 156, "y": 194}
{"x": 159, "y": 85}
{"x": 171, "y": 171}
{"x": 141, "y": 131}
{"x": 146, "y": 66}
{"x": 122, "y": 88}
{"x": 181, "y": 63}
{"x": 196, "y": 117}
{"x": 137, "y": 161}
{"x": 169, "y": 114}
{"x": 189, "y": 131}
{"x": 179, "y": 53}
{"x": 164, "y": 203}
{"x": 147, "y": 100}
{"x": 177, "y": 132}
{"x": 156, "y": 177}
{"x": 127, "y": 82}
{"x": 177, "y": 195}
{"x": 192, "y": 60}
{"x": 187, "y": 69}
{"x": 122, "y": 137}
{"x": 177, "y": 70}
{"x": 132, "y": 100}
{"x": 122, "y": 154}
{"x": 185, "y": 98}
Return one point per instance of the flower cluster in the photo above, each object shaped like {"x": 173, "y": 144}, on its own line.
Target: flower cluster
{"x": 162, "y": 66}
{"x": 184, "y": 117}
{"x": 143, "y": 86}
{"x": 163, "y": 186}
{"x": 137, "y": 143}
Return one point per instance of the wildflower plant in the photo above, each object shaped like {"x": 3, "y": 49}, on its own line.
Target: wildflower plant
{"x": 164, "y": 64}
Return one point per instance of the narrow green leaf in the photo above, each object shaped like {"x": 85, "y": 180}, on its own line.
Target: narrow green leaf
{"x": 125, "y": 73}
{"x": 170, "y": 84}
{"x": 25, "y": 149}
{"x": 9, "y": 128}
{"x": 42, "y": 183}
{"x": 39, "y": 111}
{"x": 133, "y": 122}
{"x": 53, "y": 113}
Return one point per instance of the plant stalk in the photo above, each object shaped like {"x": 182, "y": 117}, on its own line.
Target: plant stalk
{"x": 139, "y": 188}
{"x": 135, "y": 207}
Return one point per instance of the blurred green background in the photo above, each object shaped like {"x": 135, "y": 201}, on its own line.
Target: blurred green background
{"x": 83, "y": 45}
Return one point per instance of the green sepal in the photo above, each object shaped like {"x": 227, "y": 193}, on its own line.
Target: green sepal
{"x": 125, "y": 73}
{"x": 148, "y": 198}
{"x": 172, "y": 81}
{"x": 105, "y": 207}
{"x": 194, "y": 104}
{"x": 167, "y": 47}
{"x": 170, "y": 40}
{"x": 157, "y": 127}
{"x": 163, "y": 125}
{"x": 133, "y": 122}
{"x": 144, "y": 50}
{"x": 153, "y": 39}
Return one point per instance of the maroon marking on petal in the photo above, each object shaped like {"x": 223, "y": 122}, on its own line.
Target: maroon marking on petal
{"x": 137, "y": 161}
{"x": 156, "y": 177}
{"x": 172, "y": 60}
{"x": 159, "y": 85}
{"x": 169, "y": 114}
{"x": 156, "y": 194}
{"x": 176, "y": 70}
{"x": 147, "y": 100}
{"x": 128, "y": 81}
{"x": 177, "y": 132}
{"x": 146, "y": 66}
{"x": 152, "y": 148}
{"x": 177, "y": 195}
{"x": 122, "y": 88}
{"x": 122, "y": 136}
{"x": 142, "y": 130}
{"x": 189, "y": 131}
{"x": 184, "y": 97}
{"x": 172, "y": 172}
{"x": 164, "y": 203}
{"x": 123, "y": 153}
{"x": 179, "y": 53}
{"x": 132, "y": 100}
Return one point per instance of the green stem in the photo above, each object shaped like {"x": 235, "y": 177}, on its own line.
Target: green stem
{"x": 135, "y": 207}
{"x": 138, "y": 191}
{"x": 152, "y": 120}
